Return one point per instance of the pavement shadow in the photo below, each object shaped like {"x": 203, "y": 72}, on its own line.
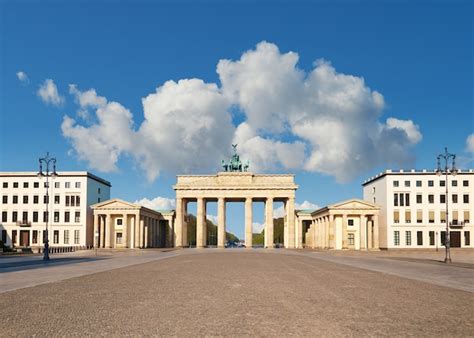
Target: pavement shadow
{"x": 40, "y": 264}
{"x": 432, "y": 261}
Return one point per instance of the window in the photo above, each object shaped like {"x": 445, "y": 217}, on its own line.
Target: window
{"x": 402, "y": 200}
{"x": 46, "y": 184}
{"x": 15, "y": 199}
{"x": 35, "y": 216}
{"x": 35, "y": 199}
{"x": 350, "y": 222}
{"x": 5, "y": 199}
{"x": 78, "y": 201}
{"x": 67, "y": 185}
{"x": 14, "y": 238}
{"x": 396, "y": 238}
{"x": 15, "y": 184}
{"x": 35, "y": 237}
{"x": 443, "y": 237}
{"x": 57, "y": 185}
{"x": 395, "y": 200}
{"x": 25, "y": 184}
{"x": 44, "y": 235}
{"x": 454, "y": 197}
{"x": 5, "y": 184}
{"x": 418, "y": 183}
{"x": 45, "y": 216}
{"x": 432, "y": 237}
{"x": 442, "y": 183}
{"x": 4, "y": 216}
{"x": 430, "y": 183}
{"x": 350, "y": 239}
{"x": 431, "y": 216}
{"x": 419, "y": 238}
{"x": 419, "y": 198}
{"x": 442, "y": 198}
{"x": 465, "y": 183}
{"x": 454, "y": 183}
{"x": 66, "y": 216}
{"x": 455, "y": 217}
{"x": 14, "y": 216}
{"x": 46, "y": 199}
{"x": 430, "y": 198}
{"x": 466, "y": 216}
{"x": 407, "y": 183}
{"x": 98, "y": 200}
{"x": 407, "y": 216}
{"x": 395, "y": 184}
{"x": 77, "y": 236}
{"x": 72, "y": 201}
{"x": 4, "y": 236}
{"x": 56, "y": 216}
{"x": 67, "y": 200}
{"x": 25, "y": 216}
{"x": 465, "y": 198}
{"x": 77, "y": 216}
{"x": 66, "y": 236}
{"x": 56, "y": 237}
{"x": 78, "y": 185}
{"x": 407, "y": 238}
{"x": 25, "y": 199}
{"x": 467, "y": 238}
{"x": 396, "y": 217}
{"x": 98, "y": 191}
{"x": 419, "y": 216}
{"x": 118, "y": 239}
{"x": 407, "y": 200}
{"x": 36, "y": 185}
{"x": 443, "y": 216}
{"x": 56, "y": 199}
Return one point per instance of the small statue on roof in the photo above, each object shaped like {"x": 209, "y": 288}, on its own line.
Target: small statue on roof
{"x": 235, "y": 164}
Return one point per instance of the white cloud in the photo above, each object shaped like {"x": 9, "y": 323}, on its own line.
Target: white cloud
{"x": 319, "y": 121}
{"x": 48, "y": 93}
{"x": 157, "y": 203}
{"x": 212, "y": 218}
{"x": 470, "y": 143}
{"x": 257, "y": 227}
{"x": 280, "y": 211}
{"x": 23, "y": 77}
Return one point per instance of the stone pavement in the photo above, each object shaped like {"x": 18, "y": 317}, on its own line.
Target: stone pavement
{"x": 236, "y": 292}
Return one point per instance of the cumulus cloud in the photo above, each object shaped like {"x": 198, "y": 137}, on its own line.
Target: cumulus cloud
{"x": 48, "y": 93}
{"x": 280, "y": 211}
{"x": 257, "y": 227}
{"x": 319, "y": 121}
{"x": 470, "y": 143}
{"x": 157, "y": 203}
{"x": 23, "y": 77}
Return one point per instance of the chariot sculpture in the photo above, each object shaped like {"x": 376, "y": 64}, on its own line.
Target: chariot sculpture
{"x": 235, "y": 164}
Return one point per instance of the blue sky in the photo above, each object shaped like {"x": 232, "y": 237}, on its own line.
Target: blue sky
{"x": 417, "y": 55}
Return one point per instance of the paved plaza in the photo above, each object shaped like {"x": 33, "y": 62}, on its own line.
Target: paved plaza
{"x": 237, "y": 292}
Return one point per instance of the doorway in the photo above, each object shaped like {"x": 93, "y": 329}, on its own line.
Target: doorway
{"x": 24, "y": 238}
{"x": 455, "y": 239}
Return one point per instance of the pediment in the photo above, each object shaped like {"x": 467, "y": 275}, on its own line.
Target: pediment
{"x": 354, "y": 204}
{"x": 115, "y": 204}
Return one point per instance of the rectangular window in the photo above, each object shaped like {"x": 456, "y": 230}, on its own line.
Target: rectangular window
{"x": 46, "y": 199}
{"x": 77, "y": 216}
{"x": 25, "y": 184}
{"x": 35, "y": 237}
{"x": 15, "y": 184}
{"x": 15, "y": 199}
{"x": 395, "y": 200}
{"x": 78, "y": 185}
{"x": 467, "y": 238}
{"x": 407, "y": 238}
{"x": 442, "y": 217}
{"x": 454, "y": 198}
{"x": 465, "y": 183}
{"x": 396, "y": 217}
{"x": 78, "y": 201}
{"x": 25, "y": 217}
{"x": 36, "y": 185}
{"x": 68, "y": 185}
{"x": 4, "y": 236}
{"x": 25, "y": 199}
{"x": 430, "y": 183}
{"x": 66, "y": 216}
{"x": 419, "y": 238}
{"x": 443, "y": 237}
{"x": 454, "y": 183}
{"x": 15, "y": 216}
{"x": 67, "y": 201}
{"x": 5, "y": 184}
{"x": 4, "y": 216}
{"x": 402, "y": 200}
{"x": 46, "y": 184}
{"x": 465, "y": 198}
{"x": 56, "y": 217}
{"x": 56, "y": 199}
{"x": 118, "y": 238}
{"x": 72, "y": 200}
{"x": 44, "y": 235}
{"x": 419, "y": 199}
{"x": 45, "y": 216}
{"x": 431, "y": 217}
{"x": 466, "y": 216}
{"x": 407, "y": 183}
{"x": 66, "y": 236}
{"x": 77, "y": 236}
{"x": 442, "y": 183}
{"x": 98, "y": 199}
{"x": 350, "y": 222}
{"x": 350, "y": 239}
{"x": 455, "y": 217}
{"x": 35, "y": 216}
{"x": 56, "y": 237}
{"x": 395, "y": 184}
{"x": 418, "y": 183}
{"x": 419, "y": 216}
{"x": 442, "y": 198}
{"x": 432, "y": 238}
{"x": 407, "y": 216}
{"x": 98, "y": 191}
{"x": 396, "y": 238}
{"x": 5, "y": 199}
{"x": 430, "y": 198}
{"x": 57, "y": 185}
{"x": 407, "y": 200}
{"x": 35, "y": 199}
{"x": 14, "y": 238}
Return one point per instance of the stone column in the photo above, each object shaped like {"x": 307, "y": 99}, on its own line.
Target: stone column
{"x": 178, "y": 224}
{"x": 102, "y": 231}
{"x": 96, "y": 230}
{"x": 221, "y": 222}
{"x": 185, "y": 223}
{"x": 142, "y": 232}
{"x": 125, "y": 231}
{"x": 248, "y": 223}
{"x": 200, "y": 219}
{"x": 370, "y": 243}
{"x": 269, "y": 223}
{"x": 376, "y": 231}
{"x": 362, "y": 232}
{"x": 344, "y": 231}
{"x": 290, "y": 216}
{"x": 137, "y": 230}
{"x": 315, "y": 234}
{"x": 146, "y": 231}
{"x": 331, "y": 226}
{"x": 108, "y": 232}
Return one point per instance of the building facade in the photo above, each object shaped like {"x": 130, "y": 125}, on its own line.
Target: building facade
{"x": 413, "y": 208}
{"x": 25, "y": 208}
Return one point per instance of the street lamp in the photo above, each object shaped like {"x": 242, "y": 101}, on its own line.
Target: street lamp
{"x": 440, "y": 171}
{"x": 47, "y": 161}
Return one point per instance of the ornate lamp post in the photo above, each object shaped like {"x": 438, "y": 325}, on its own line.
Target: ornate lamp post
{"x": 47, "y": 161}
{"x": 440, "y": 171}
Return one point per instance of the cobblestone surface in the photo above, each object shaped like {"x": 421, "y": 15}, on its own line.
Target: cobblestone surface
{"x": 237, "y": 293}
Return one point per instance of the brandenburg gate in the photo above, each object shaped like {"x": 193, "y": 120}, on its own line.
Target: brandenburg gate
{"x": 234, "y": 184}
